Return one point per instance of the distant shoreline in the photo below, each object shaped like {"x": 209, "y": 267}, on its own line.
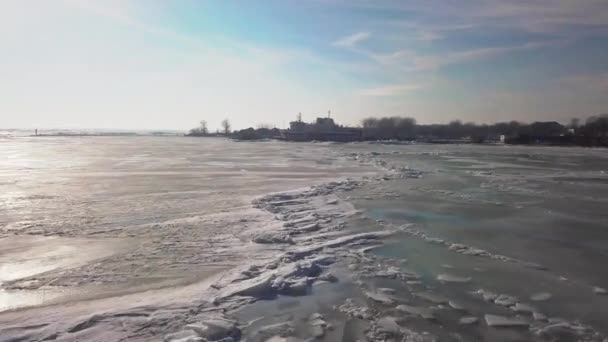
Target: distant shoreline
{"x": 127, "y": 134}
{"x": 379, "y": 142}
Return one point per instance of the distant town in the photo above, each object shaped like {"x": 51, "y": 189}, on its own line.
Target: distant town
{"x": 591, "y": 132}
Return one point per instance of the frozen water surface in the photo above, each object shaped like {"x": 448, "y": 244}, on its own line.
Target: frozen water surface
{"x": 145, "y": 238}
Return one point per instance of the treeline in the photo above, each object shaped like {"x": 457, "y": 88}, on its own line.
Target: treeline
{"x": 263, "y": 131}
{"x": 257, "y": 133}
{"x": 203, "y": 131}
{"x": 594, "y": 132}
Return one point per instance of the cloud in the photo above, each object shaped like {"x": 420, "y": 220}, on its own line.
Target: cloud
{"x": 544, "y": 15}
{"x": 560, "y": 17}
{"x": 410, "y": 60}
{"x": 596, "y": 83}
{"x": 352, "y": 40}
{"x": 429, "y": 36}
{"x": 389, "y": 90}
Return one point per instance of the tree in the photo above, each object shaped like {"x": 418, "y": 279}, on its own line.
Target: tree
{"x": 226, "y": 126}
{"x": 369, "y": 123}
{"x": 574, "y": 123}
{"x": 454, "y": 129}
{"x": 597, "y": 125}
{"x": 387, "y": 128}
{"x": 203, "y": 129}
{"x": 514, "y": 128}
{"x": 265, "y": 126}
{"x": 405, "y": 127}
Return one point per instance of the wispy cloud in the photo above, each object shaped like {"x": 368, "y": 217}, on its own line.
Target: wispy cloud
{"x": 352, "y": 40}
{"x": 410, "y": 60}
{"x": 539, "y": 15}
{"x": 429, "y": 36}
{"x": 118, "y": 12}
{"x": 220, "y": 46}
{"x": 596, "y": 83}
{"x": 389, "y": 90}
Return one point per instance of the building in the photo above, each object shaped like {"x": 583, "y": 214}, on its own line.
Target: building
{"x": 323, "y": 129}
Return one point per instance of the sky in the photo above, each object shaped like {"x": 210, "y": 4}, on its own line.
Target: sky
{"x": 152, "y": 64}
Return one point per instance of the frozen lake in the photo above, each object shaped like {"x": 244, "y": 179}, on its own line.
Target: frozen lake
{"x": 108, "y": 219}
{"x": 143, "y": 206}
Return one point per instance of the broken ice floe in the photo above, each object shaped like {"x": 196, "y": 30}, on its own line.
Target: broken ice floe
{"x": 388, "y": 328}
{"x": 380, "y": 297}
{"x": 305, "y": 258}
{"x": 538, "y": 323}
{"x": 353, "y": 310}
{"x": 541, "y": 296}
{"x": 303, "y": 261}
{"x": 274, "y": 332}
{"x": 216, "y": 329}
{"x": 431, "y": 297}
{"x": 450, "y": 278}
{"x": 421, "y": 311}
{"x": 468, "y": 320}
{"x": 318, "y": 325}
{"x": 502, "y": 321}
{"x": 412, "y": 230}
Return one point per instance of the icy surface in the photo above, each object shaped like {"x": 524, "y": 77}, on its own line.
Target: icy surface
{"x": 205, "y": 239}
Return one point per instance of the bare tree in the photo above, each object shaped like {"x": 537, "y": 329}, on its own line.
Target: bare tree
{"x": 203, "y": 129}
{"x": 405, "y": 127}
{"x": 369, "y": 123}
{"x": 574, "y": 123}
{"x": 226, "y": 126}
{"x": 264, "y": 126}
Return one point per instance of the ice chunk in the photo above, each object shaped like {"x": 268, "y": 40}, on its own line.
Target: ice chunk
{"x": 541, "y": 296}
{"x": 296, "y": 288}
{"x": 456, "y": 306}
{"x": 388, "y": 325}
{"x": 505, "y": 300}
{"x": 308, "y": 250}
{"x": 502, "y": 321}
{"x": 417, "y": 310}
{"x": 488, "y": 296}
{"x": 329, "y": 277}
{"x": 272, "y": 237}
{"x": 431, "y": 297}
{"x": 380, "y": 298}
{"x": 353, "y": 310}
{"x": 318, "y": 325}
{"x": 183, "y": 336}
{"x": 450, "y": 278}
{"x": 259, "y": 287}
{"x": 562, "y": 331}
{"x": 468, "y": 320}
{"x": 283, "y": 339}
{"x": 520, "y": 307}
{"x": 268, "y": 332}
{"x": 216, "y": 329}
{"x": 386, "y": 290}
{"x": 317, "y": 331}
